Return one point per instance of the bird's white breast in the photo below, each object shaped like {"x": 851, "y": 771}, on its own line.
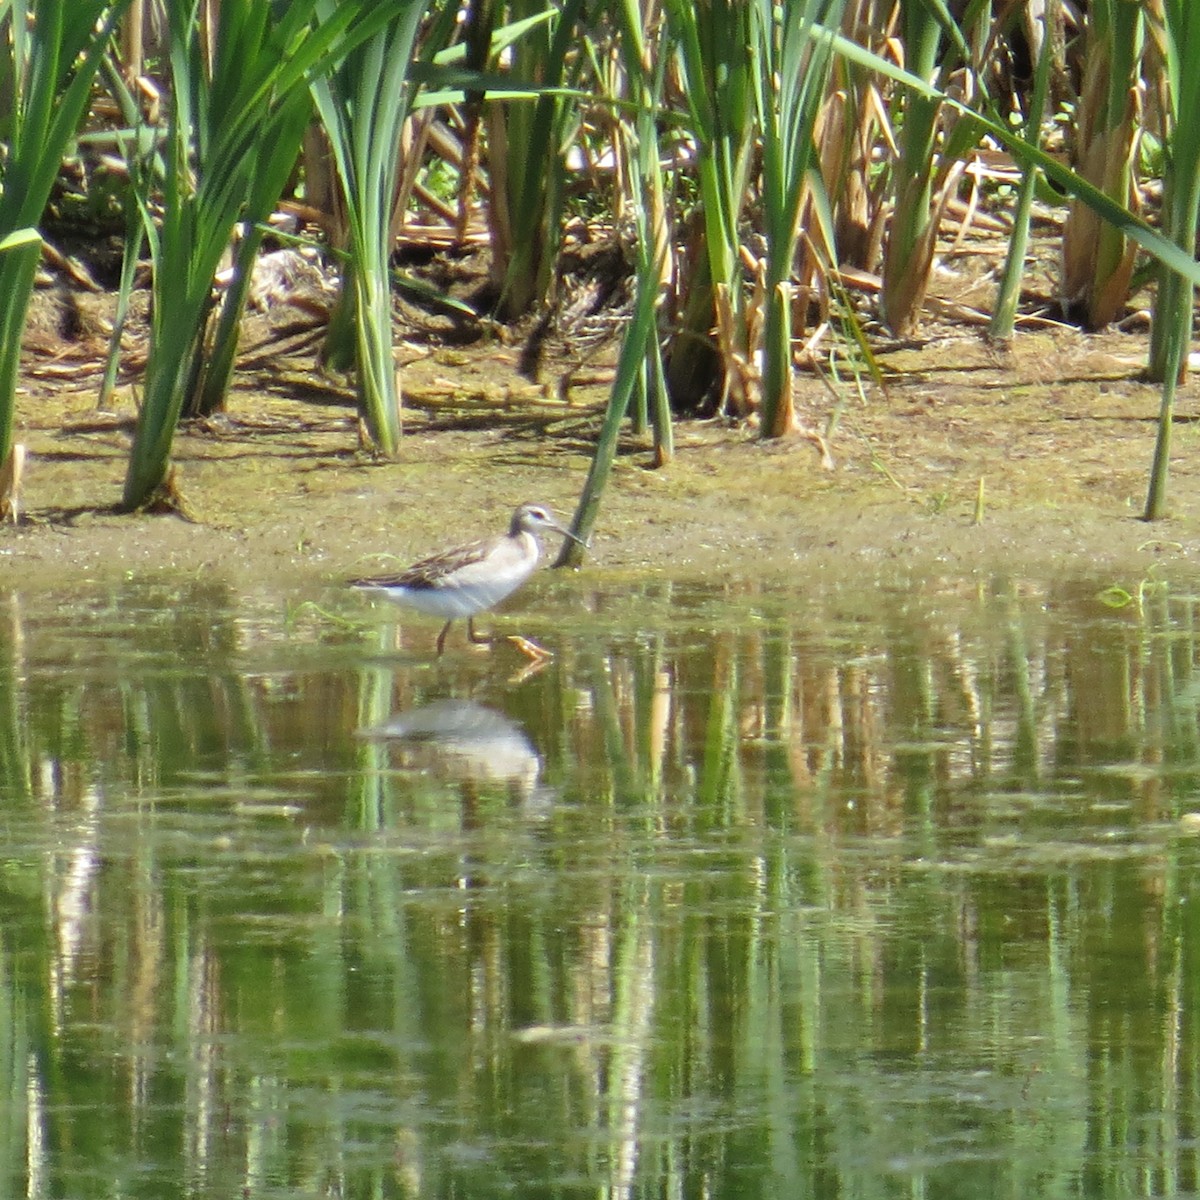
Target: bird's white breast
{"x": 476, "y": 585}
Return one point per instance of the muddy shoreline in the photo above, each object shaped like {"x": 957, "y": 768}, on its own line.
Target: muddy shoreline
{"x": 1034, "y": 462}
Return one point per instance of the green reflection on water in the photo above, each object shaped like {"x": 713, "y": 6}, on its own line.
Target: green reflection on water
{"x": 749, "y": 893}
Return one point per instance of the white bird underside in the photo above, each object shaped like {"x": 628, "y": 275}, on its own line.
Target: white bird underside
{"x": 469, "y": 588}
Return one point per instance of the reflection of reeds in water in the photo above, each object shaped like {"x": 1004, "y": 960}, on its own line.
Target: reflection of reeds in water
{"x": 837, "y": 867}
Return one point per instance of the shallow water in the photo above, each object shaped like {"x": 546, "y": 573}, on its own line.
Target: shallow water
{"x": 850, "y": 891}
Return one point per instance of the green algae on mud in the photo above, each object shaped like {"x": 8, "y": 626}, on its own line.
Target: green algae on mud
{"x": 1059, "y": 430}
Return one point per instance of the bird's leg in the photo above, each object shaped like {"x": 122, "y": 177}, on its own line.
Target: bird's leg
{"x": 441, "y": 642}
{"x": 477, "y": 638}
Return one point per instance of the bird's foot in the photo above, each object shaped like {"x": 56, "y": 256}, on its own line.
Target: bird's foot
{"x": 531, "y": 650}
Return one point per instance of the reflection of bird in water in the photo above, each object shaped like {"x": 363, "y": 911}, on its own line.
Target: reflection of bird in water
{"x": 469, "y": 579}
{"x": 465, "y": 741}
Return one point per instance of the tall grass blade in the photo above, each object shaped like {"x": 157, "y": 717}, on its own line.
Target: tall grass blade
{"x": 18, "y": 264}
{"x": 645, "y": 72}
{"x": 1178, "y": 35}
{"x": 639, "y": 334}
{"x": 214, "y": 370}
{"x": 139, "y": 149}
{"x": 1008, "y": 293}
{"x": 49, "y": 54}
{"x": 639, "y": 376}
{"x": 1171, "y": 331}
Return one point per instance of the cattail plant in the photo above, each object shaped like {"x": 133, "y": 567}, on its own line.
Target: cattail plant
{"x": 231, "y": 113}
{"x": 363, "y": 102}
{"x": 931, "y": 156}
{"x": 527, "y": 142}
{"x": 712, "y": 41}
{"x": 1097, "y": 257}
{"x": 789, "y": 90}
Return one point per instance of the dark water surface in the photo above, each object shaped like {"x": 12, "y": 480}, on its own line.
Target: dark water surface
{"x": 861, "y": 893}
